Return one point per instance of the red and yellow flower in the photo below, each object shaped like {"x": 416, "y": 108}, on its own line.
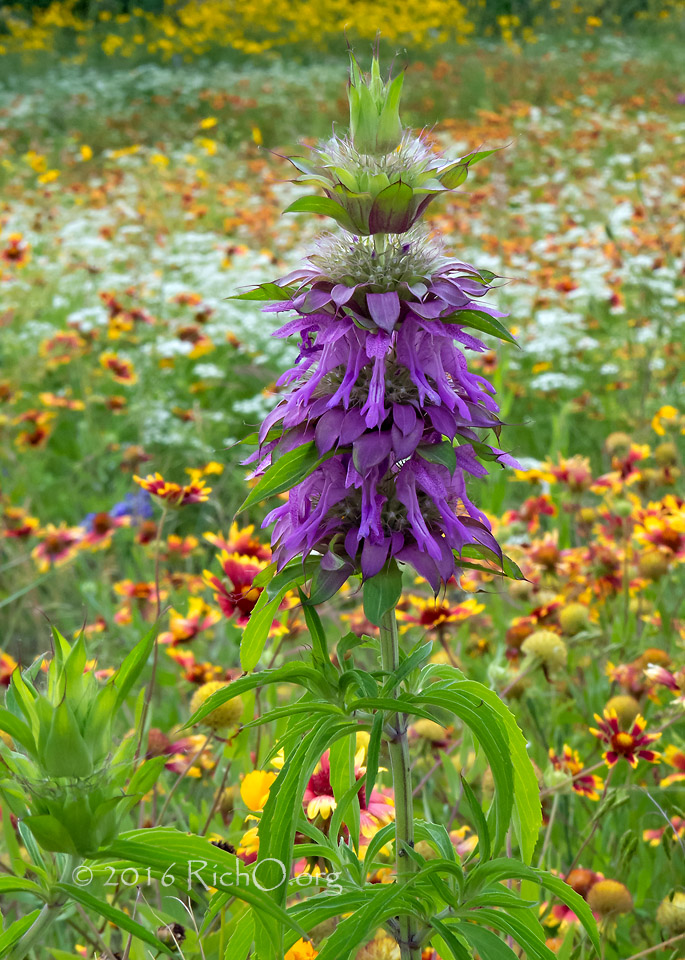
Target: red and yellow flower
{"x": 584, "y": 784}
{"x": 57, "y": 545}
{"x": 240, "y": 540}
{"x": 183, "y": 629}
{"x": 632, "y": 745}
{"x": 122, "y": 370}
{"x": 674, "y": 757}
{"x": 173, "y": 494}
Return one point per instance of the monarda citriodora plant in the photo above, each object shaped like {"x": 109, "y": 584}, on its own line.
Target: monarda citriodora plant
{"x": 379, "y": 425}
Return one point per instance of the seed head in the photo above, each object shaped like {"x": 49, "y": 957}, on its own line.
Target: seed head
{"x": 227, "y": 715}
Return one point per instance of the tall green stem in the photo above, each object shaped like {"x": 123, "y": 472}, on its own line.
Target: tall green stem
{"x": 36, "y": 932}
{"x": 401, "y": 779}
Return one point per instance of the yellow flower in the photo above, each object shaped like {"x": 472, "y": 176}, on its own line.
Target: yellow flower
{"x": 255, "y": 789}
{"x": 302, "y": 950}
{"x": 209, "y": 146}
{"x": 250, "y": 841}
{"x": 667, "y": 413}
{"x": 257, "y": 136}
{"x": 49, "y": 176}
{"x": 208, "y": 123}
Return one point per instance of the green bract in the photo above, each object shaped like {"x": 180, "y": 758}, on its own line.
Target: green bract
{"x": 377, "y": 194}
{"x": 63, "y": 748}
{"x": 375, "y": 125}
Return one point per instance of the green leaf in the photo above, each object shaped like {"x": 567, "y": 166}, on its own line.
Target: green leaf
{"x": 348, "y": 798}
{"x": 382, "y": 593}
{"x": 289, "y": 470}
{"x": 15, "y": 932}
{"x": 505, "y": 869}
{"x": 511, "y": 569}
{"x": 442, "y": 453}
{"x": 17, "y": 729}
{"x": 352, "y": 932}
{"x": 373, "y": 752}
{"x": 526, "y": 793}
{"x": 479, "y": 820}
{"x": 257, "y": 630}
{"x": 300, "y": 673}
{"x": 456, "y": 947}
{"x": 117, "y": 917}
{"x": 513, "y": 924}
{"x": 454, "y": 176}
{"x": 50, "y": 833}
{"x": 390, "y": 210}
{"x": 482, "y": 322}
{"x": 415, "y": 660}
{"x": 487, "y": 943}
{"x": 327, "y": 582}
{"x": 132, "y": 666}
{"x": 385, "y": 835}
{"x": 323, "y": 206}
{"x": 19, "y": 884}
{"x": 265, "y": 292}
{"x": 238, "y": 946}
{"x": 320, "y": 653}
{"x": 277, "y": 826}
{"x": 66, "y": 752}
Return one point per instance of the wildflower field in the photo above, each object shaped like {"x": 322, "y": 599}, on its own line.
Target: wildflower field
{"x": 540, "y": 719}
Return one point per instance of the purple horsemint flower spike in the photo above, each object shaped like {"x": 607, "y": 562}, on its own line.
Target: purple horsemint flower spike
{"x": 381, "y": 414}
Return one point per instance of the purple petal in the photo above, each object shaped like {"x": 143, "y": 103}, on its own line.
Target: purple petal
{"x": 384, "y": 309}
{"x": 340, "y": 294}
{"x": 374, "y": 556}
{"x": 328, "y": 430}
{"x": 370, "y": 449}
{"x": 404, "y": 416}
{"x": 404, "y": 445}
{"x": 352, "y": 427}
{"x": 423, "y": 564}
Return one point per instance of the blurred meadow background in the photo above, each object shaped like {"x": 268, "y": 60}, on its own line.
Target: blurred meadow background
{"x": 142, "y": 175}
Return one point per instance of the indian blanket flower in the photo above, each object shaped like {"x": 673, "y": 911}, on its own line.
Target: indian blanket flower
{"x": 319, "y": 802}
{"x": 122, "y": 370}
{"x": 173, "y": 494}
{"x": 240, "y": 540}
{"x": 7, "y": 667}
{"x": 99, "y": 529}
{"x": 584, "y": 784}
{"x": 380, "y": 403}
{"x": 434, "y": 614}
{"x": 675, "y": 682}
{"x": 675, "y": 757}
{"x": 632, "y": 745}
{"x": 234, "y": 592}
{"x": 57, "y": 546}
{"x": 185, "y": 628}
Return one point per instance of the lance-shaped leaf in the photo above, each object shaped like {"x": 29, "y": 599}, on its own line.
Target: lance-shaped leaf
{"x": 289, "y": 470}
